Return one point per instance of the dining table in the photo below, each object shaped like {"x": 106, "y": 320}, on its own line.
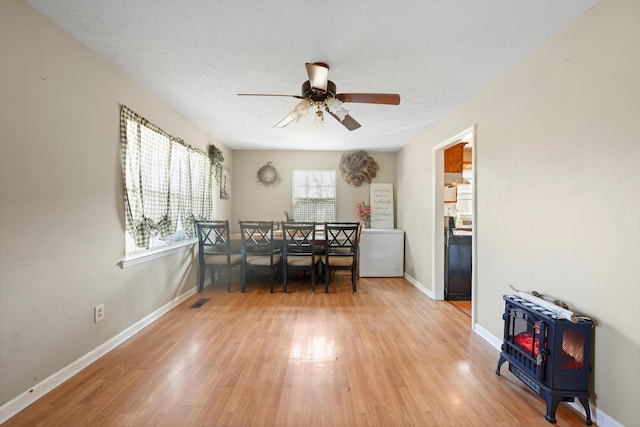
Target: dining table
{"x": 320, "y": 239}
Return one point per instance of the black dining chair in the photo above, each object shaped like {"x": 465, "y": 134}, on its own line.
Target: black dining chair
{"x": 299, "y": 250}
{"x": 215, "y": 250}
{"x": 341, "y": 249}
{"x": 259, "y": 250}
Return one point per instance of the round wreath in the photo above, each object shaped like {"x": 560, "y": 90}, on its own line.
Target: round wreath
{"x": 268, "y": 175}
{"x": 358, "y": 167}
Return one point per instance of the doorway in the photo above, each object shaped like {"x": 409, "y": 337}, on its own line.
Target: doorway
{"x": 462, "y": 205}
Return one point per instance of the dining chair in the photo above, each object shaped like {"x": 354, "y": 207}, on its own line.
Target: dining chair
{"x": 259, "y": 250}
{"x": 299, "y": 250}
{"x": 215, "y": 250}
{"x": 341, "y": 250}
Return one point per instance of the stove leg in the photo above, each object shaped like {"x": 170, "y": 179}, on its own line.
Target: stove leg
{"x": 500, "y": 362}
{"x": 587, "y": 410}
{"x": 552, "y": 404}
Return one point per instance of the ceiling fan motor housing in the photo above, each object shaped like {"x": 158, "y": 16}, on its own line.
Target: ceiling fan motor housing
{"x": 307, "y": 92}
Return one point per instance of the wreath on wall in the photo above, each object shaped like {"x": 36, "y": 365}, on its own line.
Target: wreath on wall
{"x": 268, "y": 175}
{"x": 358, "y": 167}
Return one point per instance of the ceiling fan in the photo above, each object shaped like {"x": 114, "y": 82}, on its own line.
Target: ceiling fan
{"x": 320, "y": 92}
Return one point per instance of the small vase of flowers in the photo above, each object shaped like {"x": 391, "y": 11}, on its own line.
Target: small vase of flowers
{"x": 363, "y": 212}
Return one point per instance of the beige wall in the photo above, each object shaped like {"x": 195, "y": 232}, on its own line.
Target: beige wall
{"x": 61, "y": 203}
{"x": 556, "y": 184}
{"x": 558, "y": 191}
{"x": 252, "y": 200}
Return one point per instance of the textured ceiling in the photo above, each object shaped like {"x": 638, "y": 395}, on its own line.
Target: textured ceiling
{"x": 197, "y": 55}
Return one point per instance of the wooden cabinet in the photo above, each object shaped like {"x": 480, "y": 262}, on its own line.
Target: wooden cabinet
{"x": 453, "y": 165}
{"x": 454, "y": 158}
{"x": 458, "y": 266}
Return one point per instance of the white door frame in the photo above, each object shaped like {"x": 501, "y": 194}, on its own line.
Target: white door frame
{"x": 437, "y": 207}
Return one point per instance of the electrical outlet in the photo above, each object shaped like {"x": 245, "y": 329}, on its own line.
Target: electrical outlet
{"x": 98, "y": 313}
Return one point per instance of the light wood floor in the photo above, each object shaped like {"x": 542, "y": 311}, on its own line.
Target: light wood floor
{"x": 386, "y": 356}
{"x": 463, "y": 306}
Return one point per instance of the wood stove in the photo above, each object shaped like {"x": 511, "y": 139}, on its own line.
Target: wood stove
{"x": 548, "y": 353}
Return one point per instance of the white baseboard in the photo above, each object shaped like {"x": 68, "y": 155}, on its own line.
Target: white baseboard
{"x": 603, "y": 420}
{"x": 488, "y": 337}
{"x": 419, "y": 285}
{"x": 25, "y": 399}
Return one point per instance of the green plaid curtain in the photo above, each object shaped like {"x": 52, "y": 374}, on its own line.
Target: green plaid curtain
{"x": 146, "y": 157}
{"x": 159, "y": 180}
{"x": 314, "y": 210}
{"x": 197, "y": 201}
{"x": 179, "y": 184}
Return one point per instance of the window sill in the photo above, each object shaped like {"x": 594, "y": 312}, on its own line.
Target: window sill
{"x": 143, "y": 256}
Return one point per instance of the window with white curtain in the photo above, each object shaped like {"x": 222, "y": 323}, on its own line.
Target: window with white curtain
{"x": 464, "y": 203}
{"x": 314, "y": 195}
{"x": 167, "y": 185}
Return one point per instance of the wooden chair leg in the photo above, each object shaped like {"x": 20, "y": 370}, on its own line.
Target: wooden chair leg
{"x": 201, "y": 279}
{"x": 271, "y": 280}
{"x": 285, "y": 275}
{"x": 353, "y": 280}
{"x": 327, "y": 273}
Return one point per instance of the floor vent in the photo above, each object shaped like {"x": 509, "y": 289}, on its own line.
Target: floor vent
{"x": 200, "y": 303}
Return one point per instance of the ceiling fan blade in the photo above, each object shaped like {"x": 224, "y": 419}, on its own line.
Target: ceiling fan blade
{"x": 348, "y": 121}
{"x": 269, "y": 94}
{"x": 282, "y": 123}
{"x": 370, "y": 98}
{"x": 318, "y": 76}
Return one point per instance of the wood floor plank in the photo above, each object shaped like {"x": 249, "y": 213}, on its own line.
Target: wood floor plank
{"x": 385, "y": 356}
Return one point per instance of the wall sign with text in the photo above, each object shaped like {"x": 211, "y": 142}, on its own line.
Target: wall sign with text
{"x": 381, "y": 201}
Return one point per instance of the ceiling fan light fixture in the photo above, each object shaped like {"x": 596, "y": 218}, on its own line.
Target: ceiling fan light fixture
{"x": 319, "y": 120}
{"x": 301, "y": 110}
{"x": 335, "y": 106}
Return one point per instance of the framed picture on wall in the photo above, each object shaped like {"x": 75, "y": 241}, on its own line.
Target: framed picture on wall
{"x": 381, "y": 200}
{"x": 225, "y": 184}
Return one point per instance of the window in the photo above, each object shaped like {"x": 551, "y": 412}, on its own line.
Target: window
{"x": 167, "y": 185}
{"x": 464, "y": 203}
{"x": 314, "y": 195}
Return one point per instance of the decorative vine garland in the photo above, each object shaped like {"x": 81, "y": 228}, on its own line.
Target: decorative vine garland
{"x": 358, "y": 167}
{"x": 268, "y": 175}
{"x": 216, "y": 158}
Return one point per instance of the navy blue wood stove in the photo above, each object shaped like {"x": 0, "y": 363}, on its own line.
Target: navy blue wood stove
{"x": 549, "y": 354}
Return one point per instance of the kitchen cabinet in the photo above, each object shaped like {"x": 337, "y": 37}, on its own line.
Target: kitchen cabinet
{"x": 454, "y": 158}
{"x": 453, "y": 165}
